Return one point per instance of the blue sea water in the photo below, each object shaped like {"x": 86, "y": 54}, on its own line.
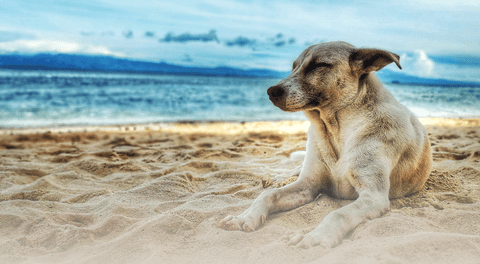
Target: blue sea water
{"x": 58, "y": 98}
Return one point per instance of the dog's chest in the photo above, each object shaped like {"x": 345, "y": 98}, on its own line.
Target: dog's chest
{"x": 327, "y": 145}
{"x": 330, "y": 154}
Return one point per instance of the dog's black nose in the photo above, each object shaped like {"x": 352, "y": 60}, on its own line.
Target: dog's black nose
{"x": 276, "y": 91}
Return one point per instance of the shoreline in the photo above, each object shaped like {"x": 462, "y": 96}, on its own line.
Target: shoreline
{"x": 215, "y": 127}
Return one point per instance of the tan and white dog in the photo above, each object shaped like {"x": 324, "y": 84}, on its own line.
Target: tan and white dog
{"x": 362, "y": 144}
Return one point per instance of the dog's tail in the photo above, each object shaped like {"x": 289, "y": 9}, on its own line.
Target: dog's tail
{"x": 298, "y": 155}
{"x": 288, "y": 167}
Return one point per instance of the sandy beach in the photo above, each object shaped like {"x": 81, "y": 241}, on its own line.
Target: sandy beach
{"x": 155, "y": 193}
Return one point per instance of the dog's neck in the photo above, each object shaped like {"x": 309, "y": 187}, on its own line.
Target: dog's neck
{"x": 325, "y": 117}
{"x": 370, "y": 92}
{"x": 328, "y": 132}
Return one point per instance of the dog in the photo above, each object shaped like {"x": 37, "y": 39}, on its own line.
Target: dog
{"x": 362, "y": 144}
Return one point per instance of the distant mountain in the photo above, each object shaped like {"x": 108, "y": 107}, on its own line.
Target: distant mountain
{"x": 112, "y": 64}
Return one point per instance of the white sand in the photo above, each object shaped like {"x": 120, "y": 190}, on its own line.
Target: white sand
{"x": 155, "y": 195}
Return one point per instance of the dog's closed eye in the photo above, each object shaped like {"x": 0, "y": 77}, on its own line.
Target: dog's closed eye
{"x": 312, "y": 66}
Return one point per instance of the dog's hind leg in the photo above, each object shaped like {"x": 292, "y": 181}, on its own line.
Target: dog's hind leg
{"x": 337, "y": 224}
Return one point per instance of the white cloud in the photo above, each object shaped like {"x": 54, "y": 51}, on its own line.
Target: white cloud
{"x": 418, "y": 64}
{"x": 55, "y": 46}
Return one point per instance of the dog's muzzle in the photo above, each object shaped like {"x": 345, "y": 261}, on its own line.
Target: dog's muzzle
{"x": 276, "y": 94}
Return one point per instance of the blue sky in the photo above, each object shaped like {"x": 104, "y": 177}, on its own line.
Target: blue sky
{"x": 428, "y": 34}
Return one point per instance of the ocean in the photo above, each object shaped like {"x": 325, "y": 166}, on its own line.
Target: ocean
{"x": 61, "y": 98}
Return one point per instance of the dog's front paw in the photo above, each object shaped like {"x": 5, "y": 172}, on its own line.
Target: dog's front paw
{"x": 247, "y": 224}
{"x": 305, "y": 241}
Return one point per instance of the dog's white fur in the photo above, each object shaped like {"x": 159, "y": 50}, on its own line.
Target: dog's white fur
{"x": 362, "y": 144}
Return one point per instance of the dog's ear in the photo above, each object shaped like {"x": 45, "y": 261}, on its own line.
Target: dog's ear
{"x": 366, "y": 60}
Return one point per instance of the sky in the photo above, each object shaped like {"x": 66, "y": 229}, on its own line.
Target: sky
{"x": 435, "y": 38}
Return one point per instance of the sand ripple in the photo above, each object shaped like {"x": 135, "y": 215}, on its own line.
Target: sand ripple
{"x": 156, "y": 197}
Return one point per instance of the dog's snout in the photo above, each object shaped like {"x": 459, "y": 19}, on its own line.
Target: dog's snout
{"x": 277, "y": 94}
{"x": 276, "y": 91}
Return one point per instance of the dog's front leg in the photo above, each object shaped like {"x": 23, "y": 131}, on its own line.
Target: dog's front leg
{"x": 372, "y": 185}
{"x": 270, "y": 201}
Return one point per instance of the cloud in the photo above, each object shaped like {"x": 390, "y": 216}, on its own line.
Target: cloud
{"x": 418, "y": 64}
{"x": 279, "y": 40}
{"x": 128, "y": 34}
{"x": 149, "y": 34}
{"x": 187, "y": 37}
{"x": 53, "y": 46}
{"x": 241, "y": 42}
{"x": 280, "y": 43}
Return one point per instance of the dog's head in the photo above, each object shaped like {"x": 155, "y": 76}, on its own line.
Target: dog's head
{"x": 327, "y": 74}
